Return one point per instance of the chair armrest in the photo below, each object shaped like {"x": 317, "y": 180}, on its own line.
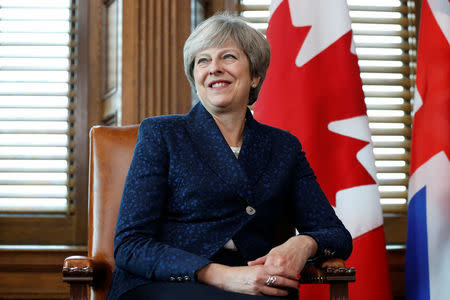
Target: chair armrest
{"x": 332, "y": 270}
{"x": 82, "y": 270}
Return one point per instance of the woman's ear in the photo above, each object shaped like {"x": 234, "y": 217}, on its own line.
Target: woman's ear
{"x": 255, "y": 81}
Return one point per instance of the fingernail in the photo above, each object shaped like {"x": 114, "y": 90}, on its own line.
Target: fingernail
{"x": 298, "y": 284}
{"x": 298, "y": 276}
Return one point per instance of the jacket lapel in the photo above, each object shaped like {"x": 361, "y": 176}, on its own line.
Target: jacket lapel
{"x": 210, "y": 143}
{"x": 239, "y": 174}
{"x": 256, "y": 149}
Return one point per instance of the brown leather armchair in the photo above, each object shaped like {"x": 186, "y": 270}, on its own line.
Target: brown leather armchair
{"x": 111, "y": 150}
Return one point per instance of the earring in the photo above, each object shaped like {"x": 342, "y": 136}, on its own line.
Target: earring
{"x": 253, "y": 85}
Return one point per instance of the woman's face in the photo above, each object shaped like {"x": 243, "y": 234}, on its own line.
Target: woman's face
{"x": 222, "y": 78}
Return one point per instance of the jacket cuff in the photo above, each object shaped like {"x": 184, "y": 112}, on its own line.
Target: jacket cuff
{"x": 323, "y": 252}
{"x": 179, "y": 266}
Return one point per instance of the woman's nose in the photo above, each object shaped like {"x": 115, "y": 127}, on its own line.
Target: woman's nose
{"x": 214, "y": 67}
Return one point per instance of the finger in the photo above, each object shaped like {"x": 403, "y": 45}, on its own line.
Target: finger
{"x": 259, "y": 261}
{"x": 285, "y": 283}
{"x": 292, "y": 275}
{"x": 273, "y": 291}
{"x": 281, "y": 271}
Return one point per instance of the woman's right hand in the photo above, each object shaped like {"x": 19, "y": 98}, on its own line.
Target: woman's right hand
{"x": 246, "y": 280}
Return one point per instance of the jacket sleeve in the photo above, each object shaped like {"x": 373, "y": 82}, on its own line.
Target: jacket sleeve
{"x": 314, "y": 216}
{"x": 136, "y": 247}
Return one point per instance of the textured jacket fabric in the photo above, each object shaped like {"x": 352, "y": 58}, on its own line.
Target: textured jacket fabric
{"x": 186, "y": 195}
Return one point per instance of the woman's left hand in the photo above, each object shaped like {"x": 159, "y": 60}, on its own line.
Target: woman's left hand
{"x": 289, "y": 258}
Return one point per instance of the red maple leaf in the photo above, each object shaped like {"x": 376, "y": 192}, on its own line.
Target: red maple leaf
{"x": 304, "y": 100}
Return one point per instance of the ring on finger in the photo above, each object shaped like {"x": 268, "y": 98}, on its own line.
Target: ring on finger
{"x": 271, "y": 280}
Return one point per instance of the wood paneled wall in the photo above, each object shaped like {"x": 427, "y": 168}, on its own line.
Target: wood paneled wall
{"x": 154, "y": 32}
{"x": 34, "y": 272}
{"x": 111, "y": 97}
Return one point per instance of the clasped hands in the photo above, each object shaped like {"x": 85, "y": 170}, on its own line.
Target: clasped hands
{"x": 273, "y": 274}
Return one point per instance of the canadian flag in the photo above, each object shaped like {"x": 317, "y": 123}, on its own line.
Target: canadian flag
{"x": 313, "y": 89}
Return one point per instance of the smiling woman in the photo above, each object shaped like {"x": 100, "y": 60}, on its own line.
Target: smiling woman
{"x": 246, "y": 40}
{"x": 226, "y": 64}
{"x": 222, "y": 79}
{"x": 206, "y": 191}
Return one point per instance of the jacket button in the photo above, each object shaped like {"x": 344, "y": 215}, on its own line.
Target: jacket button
{"x": 187, "y": 278}
{"x": 179, "y": 279}
{"x": 171, "y": 278}
{"x": 250, "y": 210}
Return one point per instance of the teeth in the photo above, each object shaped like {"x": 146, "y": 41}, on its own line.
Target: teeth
{"x": 218, "y": 84}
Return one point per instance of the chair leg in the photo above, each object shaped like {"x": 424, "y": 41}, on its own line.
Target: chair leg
{"x": 78, "y": 291}
{"x": 339, "y": 291}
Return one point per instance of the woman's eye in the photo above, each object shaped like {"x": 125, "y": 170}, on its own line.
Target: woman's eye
{"x": 201, "y": 60}
{"x": 229, "y": 56}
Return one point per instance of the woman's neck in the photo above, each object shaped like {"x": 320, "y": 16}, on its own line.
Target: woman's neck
{"x": 231, "y": 125}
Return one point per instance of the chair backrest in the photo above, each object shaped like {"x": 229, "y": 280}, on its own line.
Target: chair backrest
{"x": 111, "y": 151}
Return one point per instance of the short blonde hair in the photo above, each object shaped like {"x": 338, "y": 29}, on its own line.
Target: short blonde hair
{"x": 215, "y": 31}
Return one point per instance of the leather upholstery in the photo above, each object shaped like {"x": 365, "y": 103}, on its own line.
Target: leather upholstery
{"x": 111, "y": 151}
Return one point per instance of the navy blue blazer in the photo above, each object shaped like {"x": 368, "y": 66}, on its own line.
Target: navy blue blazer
{"x": 186, "y": 195}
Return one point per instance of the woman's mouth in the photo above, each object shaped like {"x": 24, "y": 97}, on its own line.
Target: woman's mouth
{"x": 216, "y": 84}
